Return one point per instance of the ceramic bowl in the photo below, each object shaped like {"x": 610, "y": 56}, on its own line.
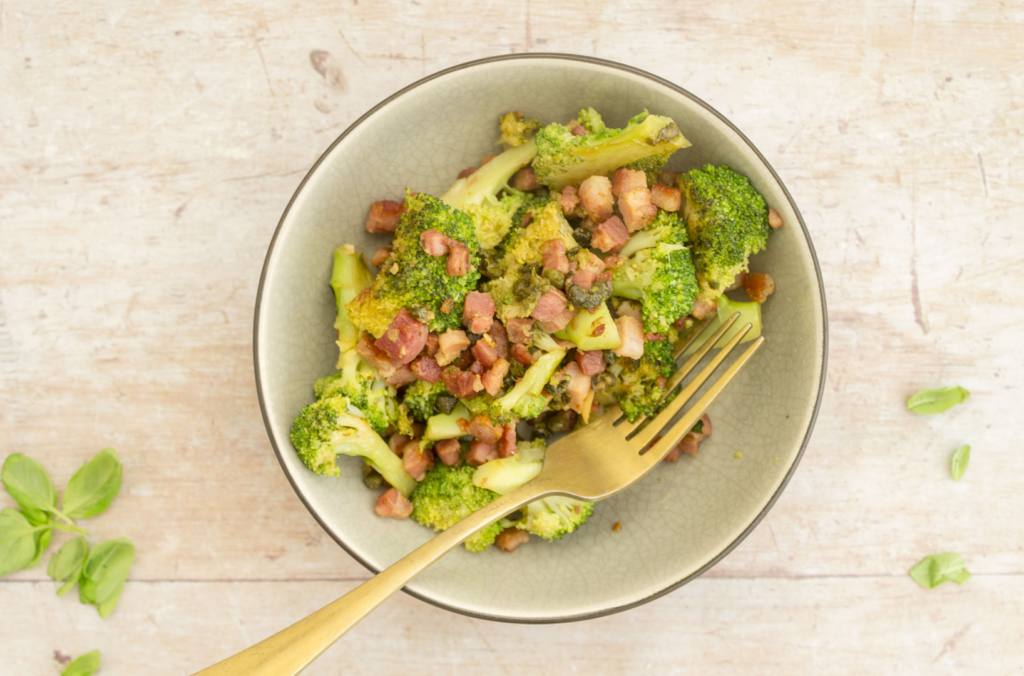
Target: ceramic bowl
{"x": 683, "y": 517}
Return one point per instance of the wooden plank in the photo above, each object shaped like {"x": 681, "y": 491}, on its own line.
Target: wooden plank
{"x": 820, "y": 626}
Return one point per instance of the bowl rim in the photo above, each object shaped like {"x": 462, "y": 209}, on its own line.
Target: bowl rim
{"x": 591, "y": 60}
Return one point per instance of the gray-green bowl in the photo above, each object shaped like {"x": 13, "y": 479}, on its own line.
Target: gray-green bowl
{"x": 681, "y": 519}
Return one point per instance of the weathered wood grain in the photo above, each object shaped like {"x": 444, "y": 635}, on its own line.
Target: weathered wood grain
{"x": 147, "y": 152}
{"x": 835, "y": 626}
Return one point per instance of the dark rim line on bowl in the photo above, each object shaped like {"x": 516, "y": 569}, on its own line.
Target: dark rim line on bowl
{"x": 824, "y": 355}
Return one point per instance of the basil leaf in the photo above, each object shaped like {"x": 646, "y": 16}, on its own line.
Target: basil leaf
{"x": 930, "y": 402}
{"x": 41, "y": 539}
{"x": 29, "y": 484}
{"x": 67, "y": 563}
{"x": 931, "y": 571}
{"x": 86, "y": 665}
{"x": 18, "y": 543}
{"x": 93, "y": 486}
{"x": 958, "y": 465}
{"x": 104, "y": 574}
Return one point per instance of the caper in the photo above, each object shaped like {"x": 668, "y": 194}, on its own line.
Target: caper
{"x": 372, "y": 477}
{"x": 555, "y": 277}
{"x": 561, "y": 421}
{"x": 582, "y": 236}
{"x": 445, "y": 403}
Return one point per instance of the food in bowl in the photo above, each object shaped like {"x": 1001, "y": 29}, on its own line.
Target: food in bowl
{"x": 553, "y": 280}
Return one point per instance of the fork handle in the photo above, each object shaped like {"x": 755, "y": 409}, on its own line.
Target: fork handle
{"x": 291, "y": 650}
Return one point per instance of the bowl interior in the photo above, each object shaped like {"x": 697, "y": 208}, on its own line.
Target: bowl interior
{"x": 679, "y": 519}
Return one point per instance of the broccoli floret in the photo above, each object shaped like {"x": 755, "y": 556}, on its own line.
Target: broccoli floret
{"x": 333, "y": 426}
{"x": 728, "y": 223}
{"x": 550, "y": 517}
{"x": 415, "y": 280}
{"x": 421, "y": 396}
{"x": 563, "y": 159}
{"x": 360, "y": 382}
{"x": 515, "y": 293}
{"x": 517, "y": 130}
{"x": 591, "y": 120}
{"x": 478, "y": 194}
{"x": 349, "y": 276}
{"x": 554, "y": 516}
{"x": 660, "y": 272}
{"x": 446, "y": 496}
{"x": 635, "y": 384}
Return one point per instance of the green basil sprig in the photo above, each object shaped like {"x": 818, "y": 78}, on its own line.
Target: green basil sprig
{"x": 104, "y": 574}
{"x": 930, "y": 402}
{"x": 25, "y": 534}
{"x": 958, "y": 464}
{"x": 86, "y": 665}
{"x": 931, "y": 571}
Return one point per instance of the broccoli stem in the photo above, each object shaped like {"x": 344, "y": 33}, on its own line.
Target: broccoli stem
{"x": 356, "y": 438}
{"x": 750, "y": 313}
{"x": 533, "y": 381}
{"x": 581, "y": 330}
{"x": 485, "y": 183}
{"x": 446, "y": 425}
{"x": 349, "y": 276}
{"x": 506, "y": 474}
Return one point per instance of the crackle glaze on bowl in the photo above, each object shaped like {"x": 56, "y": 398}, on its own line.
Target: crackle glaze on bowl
{"x": 683, "y": 517}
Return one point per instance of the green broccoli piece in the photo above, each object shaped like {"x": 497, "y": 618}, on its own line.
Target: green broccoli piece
{"x": 583, "y": 329}
{"x": 659, "y": 271}
{"x": 667, "y": 227}
{"x": 521, "y": 401}
{"x": 550, "y": 517}
{"x": 446, "y": 425}
{"x": 332, "y": 426}
{"x": 635, "y": 385}
{"x": 728, "y": 223}
{"x": 421, "y": 396}
{"x": 515, "y": 293}
{"x": 349, "y": 276}
{"x": 554, "y": 516}
{"x": 415, "y": 280}
{"x": 517, "y": 130}
{"x": 446, "y": 496}
{"x": 478, "y": 194}
{"x": 591, "y": 120}
{"x": 506, "y": 474}
{"x": 563, "y": 159}
{"x": 360, "y": 382}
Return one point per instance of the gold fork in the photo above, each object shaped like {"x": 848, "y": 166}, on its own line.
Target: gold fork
{"x": 593, "y": 463}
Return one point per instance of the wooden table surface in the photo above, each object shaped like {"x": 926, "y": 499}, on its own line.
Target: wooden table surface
{"x": 147, "y": 151}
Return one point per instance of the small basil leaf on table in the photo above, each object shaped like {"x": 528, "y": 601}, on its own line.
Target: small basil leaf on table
{"x": 86, "y": 665}
{"x": 104, "y": 574}
{"x": 30, "y": 485}
{"x": 93, "y": 487}
{"x": 958, "y": 465}
{"x": 66, "y": 565}
{"x": 18, "y": 542}
{"x": 930, "y": 402}
{"x": 931, "y": 571}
